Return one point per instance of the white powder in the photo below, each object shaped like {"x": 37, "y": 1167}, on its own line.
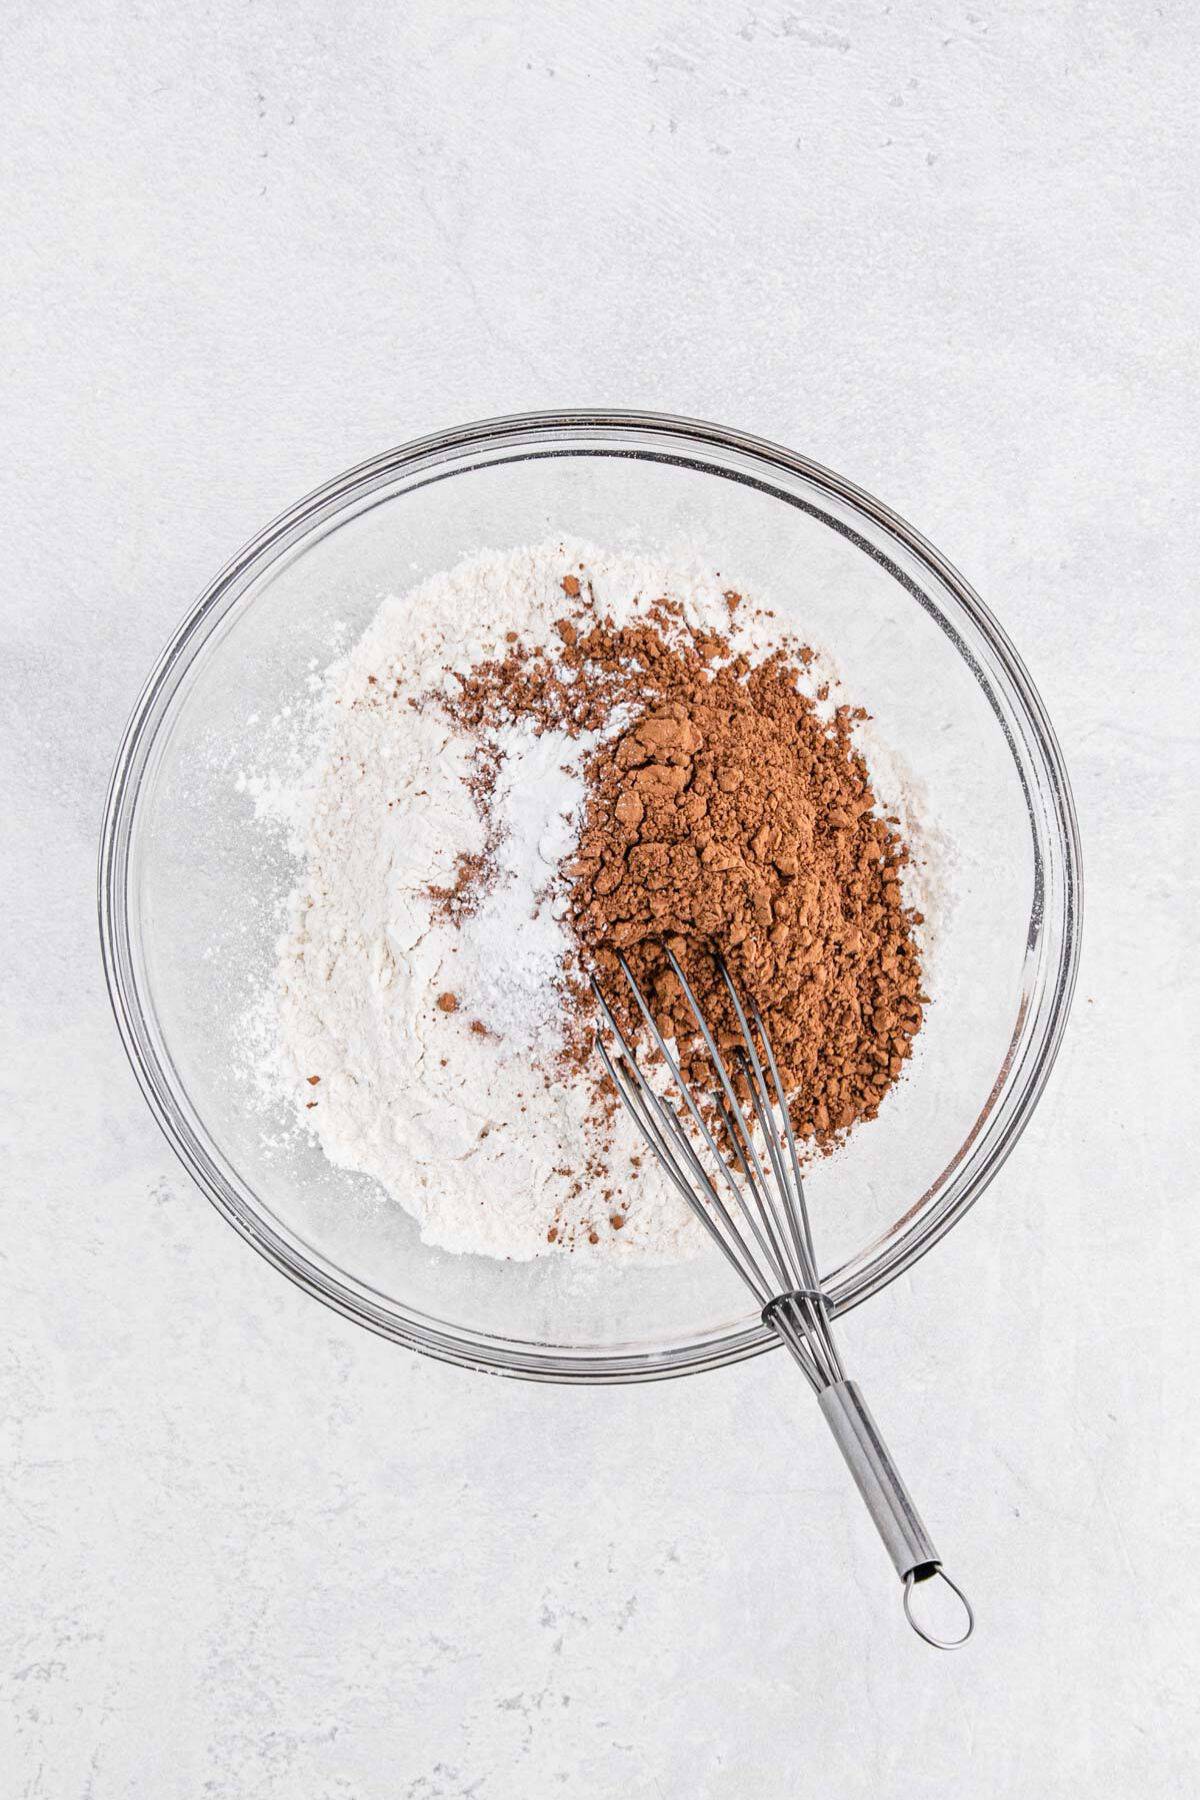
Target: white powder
{"x": 508, "y": 956}
{"x": 451, "y": 1110}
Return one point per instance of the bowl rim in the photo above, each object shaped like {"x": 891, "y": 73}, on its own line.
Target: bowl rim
{"x": 461, "y": 1346}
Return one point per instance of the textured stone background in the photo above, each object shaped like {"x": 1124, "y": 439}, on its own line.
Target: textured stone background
{"x": 950, "y": 250}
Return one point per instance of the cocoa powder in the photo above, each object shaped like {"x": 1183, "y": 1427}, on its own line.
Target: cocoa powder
{"x": 729, "y": 817}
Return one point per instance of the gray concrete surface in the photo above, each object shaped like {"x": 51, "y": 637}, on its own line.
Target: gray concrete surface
{"x": 253, "y": 1553}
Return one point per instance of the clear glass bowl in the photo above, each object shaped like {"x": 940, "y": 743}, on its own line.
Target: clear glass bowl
{"x": 190, "y": 898}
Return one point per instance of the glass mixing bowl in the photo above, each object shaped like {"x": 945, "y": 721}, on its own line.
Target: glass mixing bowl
{"x": 191, "y": 895}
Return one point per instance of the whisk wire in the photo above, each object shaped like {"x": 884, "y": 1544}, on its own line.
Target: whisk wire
{"x": 734, "y": 1127}
{"x": 656, "y": 1123}
{"x": 794, "y": 1205}
{"x": 758, "y": 1180}
{"x": 697, "y": 1115}
{"x": 803, "y": 1274}
{"x": 802, "y": 1321}
{"x": 801, "y": 1205}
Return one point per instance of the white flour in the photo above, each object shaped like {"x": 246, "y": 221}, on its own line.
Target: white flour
{"x": 450, "y": 1109}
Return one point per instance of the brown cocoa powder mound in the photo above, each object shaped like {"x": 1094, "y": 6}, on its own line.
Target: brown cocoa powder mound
{"x": 728, "y": 817}
{"x": 732, "y": 819}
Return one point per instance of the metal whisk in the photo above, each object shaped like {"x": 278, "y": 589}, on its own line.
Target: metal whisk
{"x": 765, "y": 1235}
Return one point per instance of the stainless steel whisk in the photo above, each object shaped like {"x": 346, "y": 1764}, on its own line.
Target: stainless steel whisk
{"x": 765, "y": 1235}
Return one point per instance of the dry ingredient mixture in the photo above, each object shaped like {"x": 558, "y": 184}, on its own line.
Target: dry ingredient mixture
{"x": 526, "y": 765}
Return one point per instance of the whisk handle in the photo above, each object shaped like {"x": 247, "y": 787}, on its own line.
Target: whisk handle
{"x": 887, "y": 1499}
